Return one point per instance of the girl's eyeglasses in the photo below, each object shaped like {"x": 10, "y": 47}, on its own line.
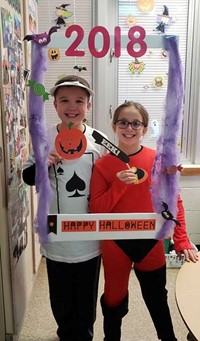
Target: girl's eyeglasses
{"x": 123, "y": 124}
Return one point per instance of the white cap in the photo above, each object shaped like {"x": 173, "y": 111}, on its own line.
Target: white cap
{"x": 71, "y": 83}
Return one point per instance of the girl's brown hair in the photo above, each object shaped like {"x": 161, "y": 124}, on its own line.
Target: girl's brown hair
{"x": 127, "y": 104}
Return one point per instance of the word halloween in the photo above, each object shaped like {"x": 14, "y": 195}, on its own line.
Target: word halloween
{"x": 103, "y": 225}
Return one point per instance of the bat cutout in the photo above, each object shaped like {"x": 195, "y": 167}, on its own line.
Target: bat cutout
{"x": 42, "y": 39}
{"x": 79, "y": 68}
{"x": 168, "y": 215}
{"x": 173, "y": 169}
{"x": 100, "y": 139}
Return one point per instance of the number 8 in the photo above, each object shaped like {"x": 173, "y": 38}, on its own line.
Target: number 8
{"x": 136, "y": 40}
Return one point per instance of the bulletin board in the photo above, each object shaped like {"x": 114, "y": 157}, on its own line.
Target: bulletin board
{"x": 14, "y": 122}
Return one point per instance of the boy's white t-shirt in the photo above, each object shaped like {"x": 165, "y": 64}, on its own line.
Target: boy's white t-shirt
{"x": 70, "y": 181}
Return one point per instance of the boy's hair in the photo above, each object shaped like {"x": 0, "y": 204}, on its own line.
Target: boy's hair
{"x": 72, "y": 78}
{"x": 127, "y": 104}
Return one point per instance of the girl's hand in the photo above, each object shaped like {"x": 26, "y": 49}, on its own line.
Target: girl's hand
{"x": 54, "y": 158}
{"x": 190, "y": 255}
{"x": 127, "y": 176}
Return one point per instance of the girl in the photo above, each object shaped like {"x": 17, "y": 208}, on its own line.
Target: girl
{"x": 117, "y": 189}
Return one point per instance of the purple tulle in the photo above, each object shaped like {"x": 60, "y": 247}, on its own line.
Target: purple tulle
{"x": 165, "y": 187}
{"x": 39, "y": 140}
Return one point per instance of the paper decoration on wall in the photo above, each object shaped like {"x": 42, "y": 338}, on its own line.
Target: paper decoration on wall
{"x": 154, "y": 124}
{"x": 70, "y": 143}
{"x": 54, "y": 54}
{"x": 62, "y": 14}
{"x": 16, "y": 4}
{"x": 80, "y": 68}
{"x": 136, "y": 66}
{"x": 158, "y": 81}
{"x": 38, "y": 89}
{"x": 42, "y": 38}
{"x": 145, "y": 5}
{"x": 131, "y": 20}
{"x": 165, "y": 186}
{"x": 26, "y": 73}
{"x": 163, "y": 20}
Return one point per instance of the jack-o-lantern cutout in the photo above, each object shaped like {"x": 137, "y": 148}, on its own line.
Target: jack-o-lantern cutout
{"x": 54, "y": 54}
{"x": 70, "y": 143}
{"x": 145, "y": 5}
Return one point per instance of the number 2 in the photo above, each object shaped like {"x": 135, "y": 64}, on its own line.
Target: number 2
{"x": 71, "y": 51}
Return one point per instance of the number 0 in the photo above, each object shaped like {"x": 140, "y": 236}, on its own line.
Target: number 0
{"x": 106, "y": 41}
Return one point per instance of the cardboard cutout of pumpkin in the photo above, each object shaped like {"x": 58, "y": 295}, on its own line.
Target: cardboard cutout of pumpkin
{"x": 145, "y": 5}
{"x": 70, "y": 143}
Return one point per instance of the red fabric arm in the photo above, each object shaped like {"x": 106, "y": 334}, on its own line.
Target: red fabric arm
{"x": 180, "y": 237}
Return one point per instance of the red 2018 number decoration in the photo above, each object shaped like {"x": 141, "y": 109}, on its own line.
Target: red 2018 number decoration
{"x": 136, "y": 46}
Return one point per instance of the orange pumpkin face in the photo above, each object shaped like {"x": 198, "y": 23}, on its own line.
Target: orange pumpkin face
{"x": 54, "y": 54}
{"x": 70, "y": 143}
{"x": 145, "y": 5}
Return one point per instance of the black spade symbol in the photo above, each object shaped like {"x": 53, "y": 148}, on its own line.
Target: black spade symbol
{"x": 60, "y": 171}
{"x": 75, "y": 184}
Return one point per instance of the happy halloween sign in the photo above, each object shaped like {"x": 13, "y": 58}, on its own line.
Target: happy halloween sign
{"x": 64, "y": 227}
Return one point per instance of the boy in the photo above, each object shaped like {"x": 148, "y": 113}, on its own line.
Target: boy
{"x": 72, "y": 267}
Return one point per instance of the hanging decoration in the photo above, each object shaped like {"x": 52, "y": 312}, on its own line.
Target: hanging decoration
{"x": 37, "y": 129}
{"x": 131, "y": 20}
{"x": 54, "y": 54}
{"x": 164, "y": 54}
{"x": 163, "y": 20}
{"x": 145, "y": 5}
{"x": 80, "y": 68}
{"x": 38, "y": 89}
{"x": 158, "y": 81}
{"x": 155, "y": 126}
{"x": 62, "y": 14}
{"x": 136, "y": 66}
{"x": 42, "y": 39}
{"x": 165, "y": 182}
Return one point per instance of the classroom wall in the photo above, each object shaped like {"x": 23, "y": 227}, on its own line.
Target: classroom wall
{"x": 190, "y": 191}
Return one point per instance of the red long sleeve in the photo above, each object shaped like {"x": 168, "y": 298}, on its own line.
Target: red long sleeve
{"x": 180, "y": 237}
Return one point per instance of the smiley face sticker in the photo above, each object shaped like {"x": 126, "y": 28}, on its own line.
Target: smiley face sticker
{"x": 54, "y": 54}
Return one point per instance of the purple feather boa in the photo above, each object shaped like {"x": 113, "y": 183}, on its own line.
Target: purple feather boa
{"x": 39, "y": 141}
{"x": 165, "y": 187}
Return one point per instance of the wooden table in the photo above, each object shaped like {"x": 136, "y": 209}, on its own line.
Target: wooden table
{"x": 188, "y": 295}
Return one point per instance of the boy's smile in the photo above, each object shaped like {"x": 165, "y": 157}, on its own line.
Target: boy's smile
{"x": 72, "y": 105}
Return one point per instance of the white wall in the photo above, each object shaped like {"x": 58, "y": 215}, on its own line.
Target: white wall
{"x": 190, "y": 192}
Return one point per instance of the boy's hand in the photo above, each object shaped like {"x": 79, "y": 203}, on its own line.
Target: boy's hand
{"x": 54, "y": 158}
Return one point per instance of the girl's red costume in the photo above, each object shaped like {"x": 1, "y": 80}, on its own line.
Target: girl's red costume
{"x": 110, "y": 195}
